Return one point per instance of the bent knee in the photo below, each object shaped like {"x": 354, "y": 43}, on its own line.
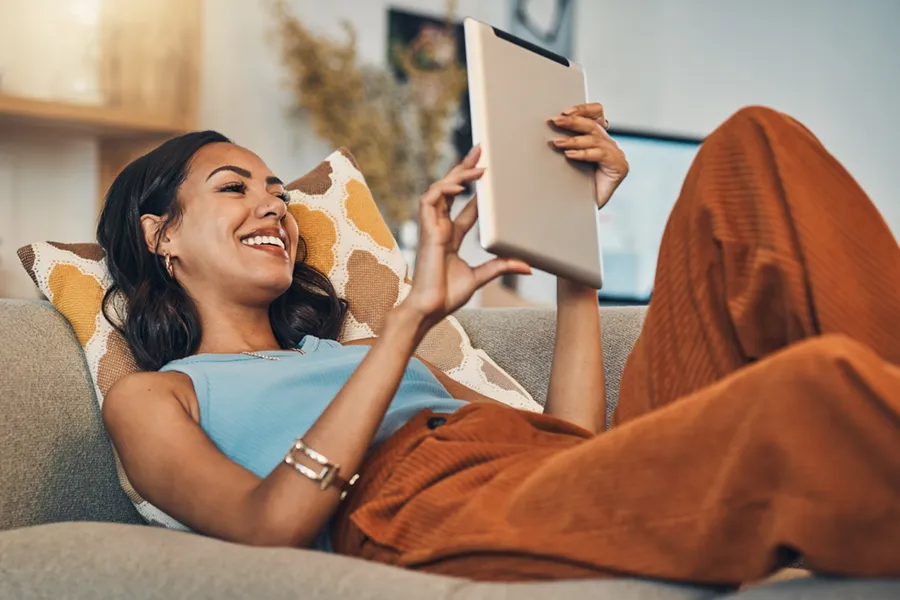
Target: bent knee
{"x": 824, "y": 362}
{"x": 830, "y": 348}
{"x": 755, "y": 114}
{"x": 824, "y": 375}
{"x": 757, "y": 118}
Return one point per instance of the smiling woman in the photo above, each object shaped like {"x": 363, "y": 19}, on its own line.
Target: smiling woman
{"x": 214, "y": 213}
{"x": 709, "y": 395}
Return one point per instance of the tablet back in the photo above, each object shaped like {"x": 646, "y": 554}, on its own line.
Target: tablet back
{"x": 533, "y": 202}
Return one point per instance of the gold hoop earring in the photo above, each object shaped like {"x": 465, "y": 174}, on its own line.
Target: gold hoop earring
{"x": 169, "y": 268}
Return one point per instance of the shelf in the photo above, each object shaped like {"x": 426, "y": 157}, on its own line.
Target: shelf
{"x": 102, "y": 121}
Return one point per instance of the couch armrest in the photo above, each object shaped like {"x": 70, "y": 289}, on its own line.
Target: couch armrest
{"x": 56, "y": 461}
{"x": 521, "y": 341}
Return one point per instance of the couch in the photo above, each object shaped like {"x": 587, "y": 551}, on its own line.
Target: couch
{"x": 67, "y": 531}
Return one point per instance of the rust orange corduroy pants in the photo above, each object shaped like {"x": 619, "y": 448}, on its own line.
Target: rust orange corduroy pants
{"x": 759, "y": 414}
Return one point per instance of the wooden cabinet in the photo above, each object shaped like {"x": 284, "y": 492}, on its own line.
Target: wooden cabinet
{"x": 147, "y": 64}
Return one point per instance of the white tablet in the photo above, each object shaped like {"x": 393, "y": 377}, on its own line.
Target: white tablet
{"x": 534, "y": 204}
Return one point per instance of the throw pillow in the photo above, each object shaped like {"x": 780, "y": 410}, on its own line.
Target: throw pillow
{"x": 346, "y": 238}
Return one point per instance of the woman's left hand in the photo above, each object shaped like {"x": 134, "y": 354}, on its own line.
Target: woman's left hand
{"x": 594, "y": 145}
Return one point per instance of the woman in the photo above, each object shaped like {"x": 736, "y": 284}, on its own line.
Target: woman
{"x": 759, "y": 414}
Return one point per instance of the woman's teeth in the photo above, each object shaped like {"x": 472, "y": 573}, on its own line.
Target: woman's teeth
{"x": 263, "y": 239}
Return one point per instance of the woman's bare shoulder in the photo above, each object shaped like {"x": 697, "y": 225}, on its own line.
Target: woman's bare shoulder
{"x": 149, "y": 387}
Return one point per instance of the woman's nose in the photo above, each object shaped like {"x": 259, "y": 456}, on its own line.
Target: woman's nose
{"x": 270, "y": 206}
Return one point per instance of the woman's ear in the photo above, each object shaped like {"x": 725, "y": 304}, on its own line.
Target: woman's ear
{"x": 152, "y": 226}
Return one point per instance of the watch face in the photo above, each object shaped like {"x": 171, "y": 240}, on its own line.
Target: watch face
{"x": 547, "y": 23}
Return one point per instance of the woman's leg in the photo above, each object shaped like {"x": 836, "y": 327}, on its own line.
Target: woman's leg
{"x": 797, "y": 455}
{"x": 770, "y": 242}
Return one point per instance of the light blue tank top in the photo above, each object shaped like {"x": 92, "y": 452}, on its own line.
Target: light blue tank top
{"x": 253, "y": 409}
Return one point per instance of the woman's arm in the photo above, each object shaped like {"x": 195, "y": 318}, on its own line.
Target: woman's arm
{"x": 577, "y": 391}
{"x": 154, "y": 425}
{"x": 295, "y": 508}
{"x": 153, "y": 421}
{"x": 577, "y": 388}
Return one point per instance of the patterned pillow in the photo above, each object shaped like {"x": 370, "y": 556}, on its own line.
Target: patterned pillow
{"x": 346, "y": 238}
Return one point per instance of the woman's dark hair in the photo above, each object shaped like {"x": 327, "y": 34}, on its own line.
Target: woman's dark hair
{"x": 161, "y": 322}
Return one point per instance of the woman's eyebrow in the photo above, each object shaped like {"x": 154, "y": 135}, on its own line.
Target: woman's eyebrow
{"x": 238, "y": 170}
{"x": 271, "y": 180}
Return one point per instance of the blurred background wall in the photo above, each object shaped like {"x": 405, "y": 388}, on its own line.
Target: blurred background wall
{"x": 671, "y": 66}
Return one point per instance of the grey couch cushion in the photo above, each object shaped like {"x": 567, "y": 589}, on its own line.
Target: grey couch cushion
{"x": 521, "y": 341}
{"x": 56, "y": 460}
{"x": 104, "y": 560}
{"x": 823, "y": 588}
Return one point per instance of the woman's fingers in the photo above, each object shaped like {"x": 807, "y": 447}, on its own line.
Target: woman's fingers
{"x": 462, "y": 176}
{"x": 464, "y": 221}
{"x": 469, "y": 174}
{"x": 471, "y": 159}
{"x": 468, "y": 162}
{"x": 577, "y": 124}
{"x": 581, "y": 142}
{"x": 495, "y": 267}
{"x": 592, "y": 110}
{"x": 595, "y": 154}
{"x": 450, "y": 185}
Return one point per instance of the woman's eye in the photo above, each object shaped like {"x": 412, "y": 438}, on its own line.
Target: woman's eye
{"x": 238, "y": 188}
{"x": 284, "y": 196}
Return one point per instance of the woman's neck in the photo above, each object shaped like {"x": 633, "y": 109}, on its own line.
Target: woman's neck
{"x": 232, "y": 329}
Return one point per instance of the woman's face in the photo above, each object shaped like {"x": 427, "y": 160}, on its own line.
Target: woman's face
{"x": 236, "y": 238}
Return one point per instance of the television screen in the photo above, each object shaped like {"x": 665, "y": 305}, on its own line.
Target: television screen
{"x": 631, "y": 225}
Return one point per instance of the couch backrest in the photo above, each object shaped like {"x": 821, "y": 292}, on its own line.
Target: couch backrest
{"x": 521, "y": 341}
{"x": 56, "y": 462}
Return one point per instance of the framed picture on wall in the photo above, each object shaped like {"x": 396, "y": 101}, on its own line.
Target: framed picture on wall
{"x": 546, "y": 23}
{"x": 430, "y": 54}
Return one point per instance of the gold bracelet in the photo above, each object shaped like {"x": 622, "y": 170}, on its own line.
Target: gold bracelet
{"x": 327, "y": 477}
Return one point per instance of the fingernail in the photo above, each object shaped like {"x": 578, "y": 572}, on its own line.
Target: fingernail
{"x": 571, "y": 152}
{"x": 569, "y": 111}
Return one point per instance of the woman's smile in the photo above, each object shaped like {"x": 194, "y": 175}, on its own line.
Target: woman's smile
{"x": 269, "y": 239}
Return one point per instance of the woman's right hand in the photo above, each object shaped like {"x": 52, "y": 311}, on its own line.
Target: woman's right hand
{"x": 443, "y": 281}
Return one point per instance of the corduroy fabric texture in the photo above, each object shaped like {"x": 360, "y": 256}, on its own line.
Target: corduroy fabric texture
{"x": 776, "y": 433}
{"x": 771, "y": 242}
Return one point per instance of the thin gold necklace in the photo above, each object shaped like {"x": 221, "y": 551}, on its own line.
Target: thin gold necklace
{"x": 263, "y": 356}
